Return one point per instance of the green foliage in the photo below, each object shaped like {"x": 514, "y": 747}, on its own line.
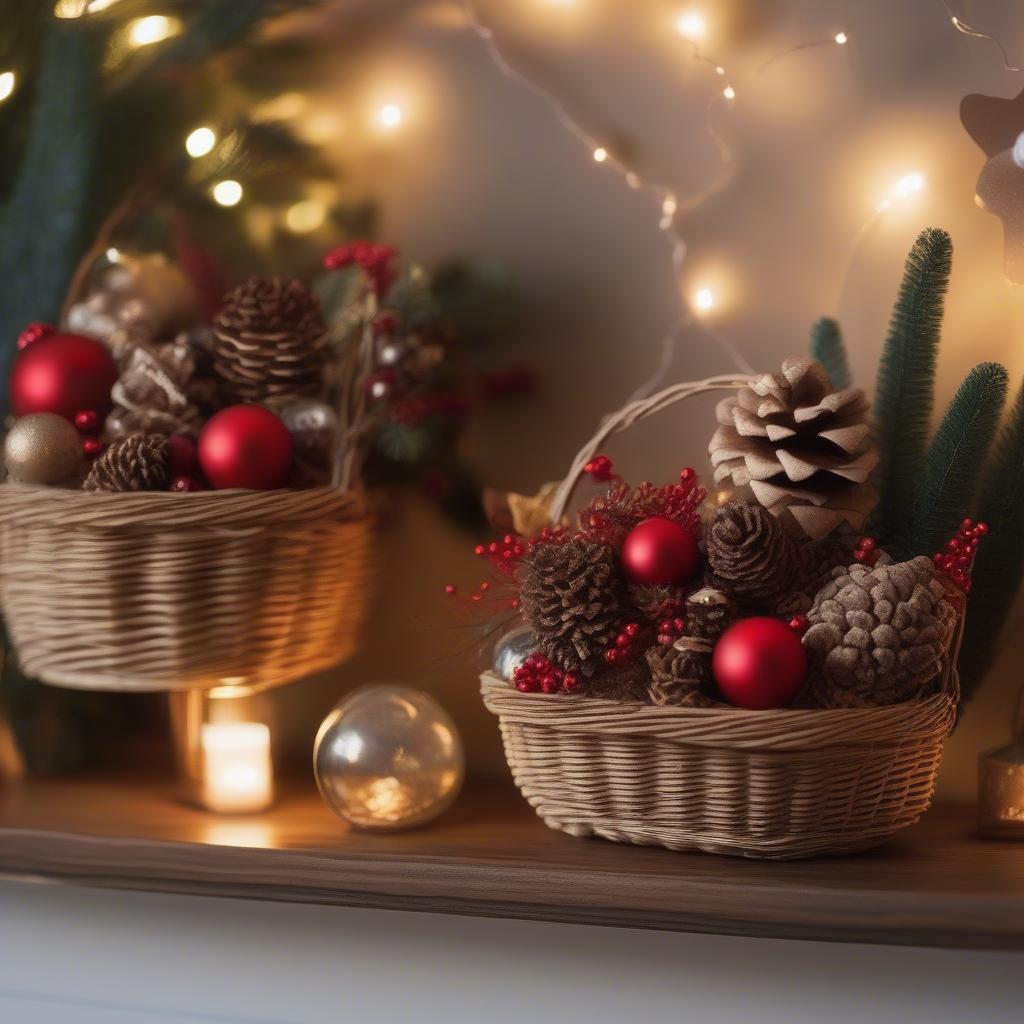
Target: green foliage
{"x": 999, "y": 566}
{"x": 828, "y": 349}
{"x": 903, "y": 396}
{"x": 49, "y": 212}
{"x": 955, "y": 458}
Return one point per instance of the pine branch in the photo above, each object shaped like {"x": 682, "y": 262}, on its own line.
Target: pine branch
{"x": 828, "y": 349}
{"x": 903, "y": 396}
{"x": 50, "y": 210}
{"x": 955, "y": 458}
{"x": 999, "y": 566}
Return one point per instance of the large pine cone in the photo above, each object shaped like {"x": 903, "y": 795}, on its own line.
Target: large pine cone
{"x": 681, "y": 673}
{"x": 751, "y": 556}
{"x": 139, "y": 462}
{"x": 572, "y": 598}
{"x": 878, "y": 635}
{"x": 269, "y": 340}
{"x": 804, "y": 450}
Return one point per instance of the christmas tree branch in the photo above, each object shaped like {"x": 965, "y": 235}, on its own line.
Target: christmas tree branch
{"x": 827, "y": 348}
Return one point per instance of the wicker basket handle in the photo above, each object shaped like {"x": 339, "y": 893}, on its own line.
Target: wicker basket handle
{"x": 632, "y": 413}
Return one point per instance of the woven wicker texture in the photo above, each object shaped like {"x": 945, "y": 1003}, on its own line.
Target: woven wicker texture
{"x": 770, "y": 784}
{"x": 158, "y": 591}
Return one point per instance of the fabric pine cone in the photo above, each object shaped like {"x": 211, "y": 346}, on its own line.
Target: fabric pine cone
{"x": 681, "y": 673}
{"x": 139, "y": 462}
{"x": 804, "y": 449}
{"x": 751, "y": 555}
{"x": 572, "y": 598}
{"x": 269, "y": 340}
{"x": 877, "y": 636}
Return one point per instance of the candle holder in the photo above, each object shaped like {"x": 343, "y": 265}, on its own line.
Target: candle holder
{"x": 1001, "y": 785}
{"x": 224, "y": 750}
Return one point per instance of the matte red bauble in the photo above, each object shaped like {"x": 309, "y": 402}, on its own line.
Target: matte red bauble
{"x": 759, "y": 663}
{"x": 63, "y": 373}
{"x": 245, "y": 446}
{"x": 659, "y": 552}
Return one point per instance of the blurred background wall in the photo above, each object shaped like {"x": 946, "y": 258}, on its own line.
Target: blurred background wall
{"x": 481, "y": 166}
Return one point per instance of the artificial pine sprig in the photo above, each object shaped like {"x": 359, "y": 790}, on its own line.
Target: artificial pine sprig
{"x": 828, "y": 349}
{"x": 955, "y": 458}
{"x": 903, "y": 396}
{"x": 999, "y": 566}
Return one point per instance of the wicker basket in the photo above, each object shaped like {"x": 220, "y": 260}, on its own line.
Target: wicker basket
{"x": 159, "y": 591}
{"x": 770, "y": 784}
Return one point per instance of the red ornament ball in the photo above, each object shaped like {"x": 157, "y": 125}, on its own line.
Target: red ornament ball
{"x": 659, "y": 552}
{"x": 245, "y": 446}
{"x": 759, "y": 663}
{"x": 182, "y": 455}
{"x": 63, "y": 373}
{"x": 87, "y": 421}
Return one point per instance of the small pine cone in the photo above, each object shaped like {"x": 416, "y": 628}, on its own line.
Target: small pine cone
{"x": 817, "y": 562}
{"x": 681, "y": 674}
{"x": 138, "y": 462}
{"x": 269, "y": 341}
{"x": 877, "y": 635}
{"x": 751, "y": 555}
{"x": 572, "y": 598}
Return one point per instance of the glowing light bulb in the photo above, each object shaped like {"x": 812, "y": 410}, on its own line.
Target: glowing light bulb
{"x": 600, "y": 154}
{"x": 70, "y": 8}
{"x": 841, "y": 38}
{"x": 227, "y": 193}
{"x": 154, "y": 28}
{"x": 8, "y": 80}
{"x": 703, "y": 299}
{"x": 719, "y": 70}
{"x": 389, "y": 116}
{"x": 729, "y": 92}
{"x": 113, "y": 254}
{"x": 691, "y": 25}
{"x": 200, "y": 142}
{"x": 305, "y": 216}
{"x": 902, "y": 188}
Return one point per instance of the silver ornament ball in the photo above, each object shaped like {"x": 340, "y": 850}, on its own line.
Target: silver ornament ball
{"x": 314, "y": 429}
{"x": 512, "y": 650}
{"x": 387, "y": 758}
{"x": 42, "y": 448}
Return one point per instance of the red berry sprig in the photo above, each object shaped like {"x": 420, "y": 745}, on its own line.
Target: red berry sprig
{"x": 867, "y": 552}
{"x": 957, "y": 555}
{"x": 624, "y": 648}
{"x": 600, "y": 468}
{"x": 538, "y": 675}
{"x": 34, "y": 332}
{"x": 799, "y": 624}
{"x": 669, "y": 630}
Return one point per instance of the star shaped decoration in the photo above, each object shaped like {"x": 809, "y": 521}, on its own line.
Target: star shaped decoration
{"x": 997, "y": 126}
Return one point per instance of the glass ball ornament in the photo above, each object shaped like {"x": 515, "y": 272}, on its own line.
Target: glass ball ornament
{"x": 388, "y": 758}
{"x": 512, "y": 650}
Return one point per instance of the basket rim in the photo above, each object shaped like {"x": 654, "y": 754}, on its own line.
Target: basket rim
{"x": 778, "y": 729}
{"x": 34, "y": 505}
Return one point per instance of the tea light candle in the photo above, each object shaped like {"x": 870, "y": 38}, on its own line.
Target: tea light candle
{"x": 237, "y": 772}
{"x": 1001, "y": 792}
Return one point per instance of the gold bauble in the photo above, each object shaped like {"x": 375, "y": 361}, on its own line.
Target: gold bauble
{"x": 42, "y": 448}
{"x": 388, "y": 758}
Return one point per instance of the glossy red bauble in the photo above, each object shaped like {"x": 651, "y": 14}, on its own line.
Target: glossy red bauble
{"x": 759, "y": 663}
{"x": 245, "y": 446}
{"x": 659, "y": 552}
{"x": 64, "y": 374}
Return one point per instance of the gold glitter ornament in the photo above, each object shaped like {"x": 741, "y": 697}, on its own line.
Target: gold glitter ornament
{"x": 43, "y": 448}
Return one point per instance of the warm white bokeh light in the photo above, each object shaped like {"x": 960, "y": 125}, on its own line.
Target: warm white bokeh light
{"x": 729, "y": 92}
{"x": 8, "y": 80}
{"x": 227, "y": 193}
{"x": 691, "y": 25}
{"x": 600, "y": 154}
{"x": 389, "y": 116}
{"x": 305, "y": 216}
{"x": 113, "y": 254}
{"x": 903, "y": 188}
{"x": 200, "y": 142}
{"x": 841, "y": 38}
{"x": 703, "y": 300}
{"x": 154, "y": 28}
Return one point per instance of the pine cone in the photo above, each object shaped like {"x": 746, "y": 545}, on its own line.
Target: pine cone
{"x": 804, "y": 450}
{"x": 681, "y": 673}
{"x": 138, "y": 462}
{"x": 878, "y": 635}
{"x": 572, "y": 597}
{"x": 269, "y": 340}
{"x": 817, "y": 563}
{"x": 751, "y": 556}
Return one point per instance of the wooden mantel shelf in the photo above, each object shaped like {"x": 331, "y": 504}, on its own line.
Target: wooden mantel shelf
{"x": 938, "y": 885}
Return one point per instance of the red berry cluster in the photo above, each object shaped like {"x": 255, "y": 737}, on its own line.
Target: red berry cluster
{"x": 33, "y": 333}
{"x": 624, "y": 649}
{"x": 87, "y": 423}
{"x": 669, "y": 630}
{"x": 377, "y": 262}
{"x": 799, "y": 624}
{"x": 622, "y": 507}
{"x": 538, "y": 675}
{"x": 956, "y": 558}
{"x": 600, "y": 468}
{"x": 412, "y": 411}
{"x": 503, "y": 554}
{"x": 867, "y": 552}
{"x": 385, "y": 324}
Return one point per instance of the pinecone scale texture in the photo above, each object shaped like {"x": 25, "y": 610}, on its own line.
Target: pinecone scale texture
{"x": 138, "y": 462}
